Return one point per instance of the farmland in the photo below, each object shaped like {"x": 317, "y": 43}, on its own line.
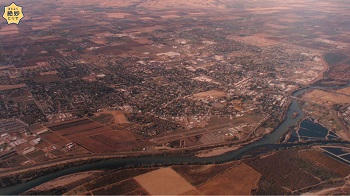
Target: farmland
{"x": 292, "y": 171}
{"x": 239, "y": 180}
{"x": 322, "y": 160}
{"x": 121, "y": 188}
{"x": 326, "y": 98}
{"x": 9, "y": 87}
{"x": 139, "y": 79}
{"x": 296, "y": 169}
{"x": 198, "y": 174}
{"x": 115, "y": 177}
{"x": 164, "y": 181}
{"x": 96, "y": 137}
{"x": 212, "y": 93}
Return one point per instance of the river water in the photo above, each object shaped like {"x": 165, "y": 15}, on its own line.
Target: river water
{"x": 267, "y": 140}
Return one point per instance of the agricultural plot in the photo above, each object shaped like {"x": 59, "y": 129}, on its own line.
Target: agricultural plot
{"x": 107, "y": 183}
{"x": 95, "y": 137}
{"x": 110, "y": 117}
{"x": 239, "y": 180}
{"x": 340, "y": 153}
{"x": 75, "y": 127}
{"x": 120, "y": 188}
{"x": 198, "y": 174}
{"x": 212, "y": 93}
{"x": 326, "y": 98}
{"x": 164, "y": 181}
{"x": 286, "y": 171}
{"x": 9, "y": 87}
{"x": 54, "y": 138}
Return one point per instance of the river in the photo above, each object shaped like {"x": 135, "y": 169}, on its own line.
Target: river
{"x": 268, "y": 140}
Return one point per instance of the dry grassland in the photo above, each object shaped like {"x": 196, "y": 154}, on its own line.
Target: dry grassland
{"x": 239, "y": 180}
{"x": 117, "y": 15}
{"x": 164, "y": 181}
{"x": 344, "y": 90}
{"x": 326, "y": 98}
{"x": 253, "y": 40}
{"x": 170, "y": 16}
{"x": 8, "y": 30}
{"x": 9, "y": 87}
{"x": 119, "y": 117}
{"x": 213, "y": 93}
{"x": 65, "y": 180}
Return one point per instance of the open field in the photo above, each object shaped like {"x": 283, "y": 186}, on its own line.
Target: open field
{"x": 322, "y": 160}
{"x": 65, "y": 180}
{"x": 254, "y": 40}
{"x": 198, "y": 174}
{"x": 113, "y": 116}
{"x": 292, "y": 173}
{"x": 8, "y": 87}
{"x": 117, "y": 15}
{"x": 55, "y": 138}
{"x": 120, "y": 188}
{"x": 106, "y": 180}
{"x": 239, "y": 180}
{"x": 46, "y": 78}
{"x": 69, "y": 124}
{"x": 104, "y": 119}
{"x": 96, "y": 141}
{"x": 212, "y": 93}
{"x": 151, "y": 77}
{"x": 326, "y": 98}
{"x": 297, "y": 169}
{"x": 340, "y": 72}
{"x": 344, "y": 90}
{"x": 334, "y": 58}
{"x": 216, "y": 152}
{"x": 94, "y": 136}
{"x": 164, "y": 181}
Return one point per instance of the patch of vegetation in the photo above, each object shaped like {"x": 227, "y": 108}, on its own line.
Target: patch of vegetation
{"x": 334, "y": 58}
{"x": 103, "y": 118}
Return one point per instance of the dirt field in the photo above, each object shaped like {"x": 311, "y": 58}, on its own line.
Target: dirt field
{"x": 68, "y": 124}
{"x": 120, "y": 188}
{"x": 326, "y": 98}
{"x": 54, "y": 138}
{"x": 75, "y": 127}
{"x": 216, "y": 152}
{"x": 118, "y": 116}
{"x": 42, "y": 79}
{"x": 164, "y": 181}
{"x": 8, "y": 30}
{"x": 112, "y": 182}
{"x": 65, "y": 180}
{"x": 213, "y": 93}
{"x": 9, "y": 87}
{"x": 117, "y": 15}
{"x": 254, "y": 40}
{"x": 93, "y": 136}
{"x": 239, "y": 180}
{"x": 344, "y": 90}
{"x": 198, "y": 174}
{"x": 84, "y": 139}
{"x": 105, "y": 119}
{"x": 104, "y": 139}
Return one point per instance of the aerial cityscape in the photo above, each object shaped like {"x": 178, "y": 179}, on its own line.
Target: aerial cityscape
{"x": 175, "y": 97}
